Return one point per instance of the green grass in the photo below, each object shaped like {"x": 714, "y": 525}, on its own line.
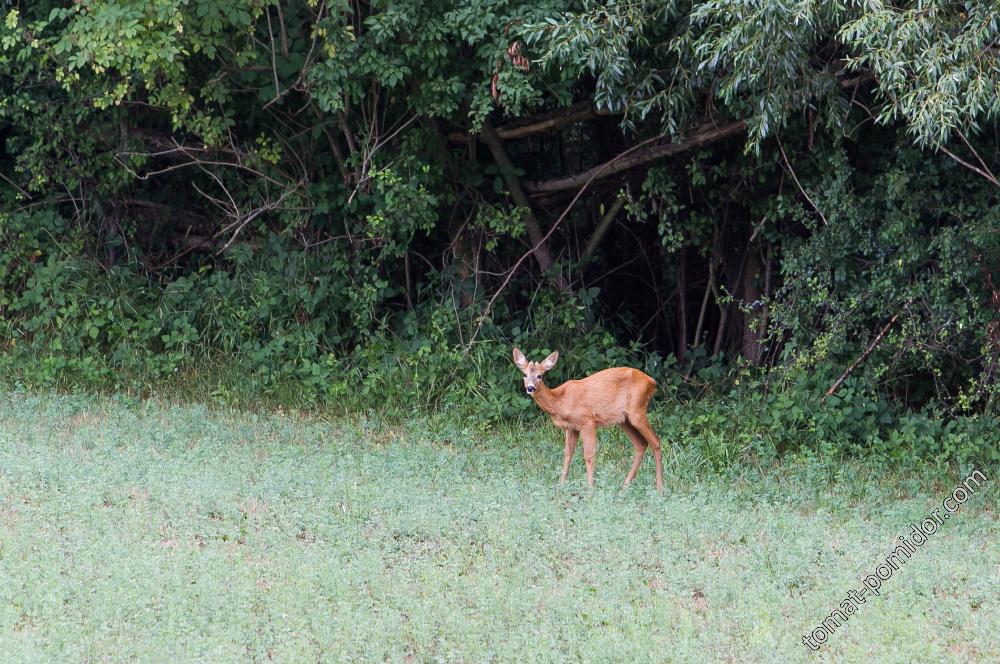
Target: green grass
{"x": 139, "y": 530}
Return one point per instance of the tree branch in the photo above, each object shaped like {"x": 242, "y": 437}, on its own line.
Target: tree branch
{"x": 796, "y": 179}
{"x": 701, "y": 136}
{"x": 602, "y": 229}
{"x": 541, "y": 123}
{"x": 868, "y": 351}
{"x": 975, "y": 169}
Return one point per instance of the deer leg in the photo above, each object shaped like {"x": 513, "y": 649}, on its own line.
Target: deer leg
{"x": 641, "y": 423}
{"x": 571, "y": 438}
{"x": 640, "y": 449}
{"x": 590, "y": 452}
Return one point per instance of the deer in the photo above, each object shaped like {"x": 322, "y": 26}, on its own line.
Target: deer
{"x": 618, "y": 396}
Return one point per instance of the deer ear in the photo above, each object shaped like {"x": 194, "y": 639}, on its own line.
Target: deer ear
{"x": 520, "y": 360}
{"x": 550, "y": 361}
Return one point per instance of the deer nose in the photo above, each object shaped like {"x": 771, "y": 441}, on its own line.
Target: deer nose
{"x": 530, "y": 389}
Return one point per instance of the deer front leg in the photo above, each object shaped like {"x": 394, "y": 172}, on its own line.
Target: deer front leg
{"x": 571, "y": 438}
{"x": 589, "y": 452}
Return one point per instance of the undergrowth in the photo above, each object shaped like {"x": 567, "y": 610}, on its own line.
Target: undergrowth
{"x": 284, "y": 328}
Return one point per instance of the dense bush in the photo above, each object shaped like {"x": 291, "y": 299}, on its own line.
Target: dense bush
{"x": 261, "y": 329}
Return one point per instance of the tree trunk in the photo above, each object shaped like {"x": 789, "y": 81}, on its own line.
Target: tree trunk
{"x": 540, "y": 248}
{"x": 463, "y": 245}
{"x": 466, "y": 261}
{"x": 765, "y": 313}
{"x": 601, "y": 230}
{"x": 682, "y": 313}
{"x": 721, "y": 268}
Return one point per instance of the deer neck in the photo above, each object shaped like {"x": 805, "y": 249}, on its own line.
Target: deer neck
{"x": 546, "y": 399}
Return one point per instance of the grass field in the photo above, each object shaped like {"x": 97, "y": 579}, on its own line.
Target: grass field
{"x": 146, "y": 531}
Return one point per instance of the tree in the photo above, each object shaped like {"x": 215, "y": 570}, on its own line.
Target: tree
{"x": 768, "y": 179}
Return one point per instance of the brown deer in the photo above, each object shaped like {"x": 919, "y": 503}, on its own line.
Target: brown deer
{"x": 618, "y": 396}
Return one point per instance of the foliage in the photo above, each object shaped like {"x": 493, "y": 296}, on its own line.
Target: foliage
{"x": 295, "y": 194}
{"x": 935, "y": 63}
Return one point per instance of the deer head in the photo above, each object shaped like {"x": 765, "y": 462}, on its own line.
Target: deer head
{"x": 533, "y": 370}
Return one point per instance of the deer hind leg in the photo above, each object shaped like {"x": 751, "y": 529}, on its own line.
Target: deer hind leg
{"x": 641, "y": 423}
{"x": 571, "y": 438}
{"x": 640, "y": 445}
{"x": 589, "y": 452}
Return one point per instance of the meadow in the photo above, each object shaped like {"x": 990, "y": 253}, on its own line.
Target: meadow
{"x": 148, "y": 531}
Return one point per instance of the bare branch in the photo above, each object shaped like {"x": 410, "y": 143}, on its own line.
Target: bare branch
{"x": 541, "y": 123}
{"x": 602, "y": 229}
{"x": 868, "y": 351}
{"x": 274, "y": 63}
{"x": 15, "y": 185}
{"x": 634, "y": 157}
{"x": 984, "y": 171}
{"x": 194, "y": 160}
{"x": 242, "y": 223}
{"x": 796, "y": 179}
